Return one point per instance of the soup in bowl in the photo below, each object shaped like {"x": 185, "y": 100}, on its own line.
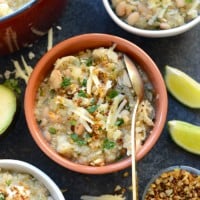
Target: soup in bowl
{"x": 21, "y": 180}
{"x": 79, "y": 103}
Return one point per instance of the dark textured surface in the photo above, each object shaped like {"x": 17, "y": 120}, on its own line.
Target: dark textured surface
{"x": 83, "y": 16}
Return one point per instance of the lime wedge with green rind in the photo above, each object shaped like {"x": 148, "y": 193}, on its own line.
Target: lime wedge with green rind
{"x": 182, "y": 87}
{"x": 8, "y": 105}
{"x": 185, "y": 135}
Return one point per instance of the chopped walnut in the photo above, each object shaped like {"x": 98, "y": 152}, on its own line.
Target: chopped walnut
{"x": 176, "y": 184}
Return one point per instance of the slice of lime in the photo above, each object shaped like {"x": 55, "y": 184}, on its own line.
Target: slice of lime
{"x": 7, "y": 107}
{"x": 186, "y": 135}
{"x": 182, "y": 87}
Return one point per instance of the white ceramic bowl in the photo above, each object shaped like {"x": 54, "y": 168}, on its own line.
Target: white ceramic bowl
{"x": 149, "y": 33}
{"x": 21, "y": 166}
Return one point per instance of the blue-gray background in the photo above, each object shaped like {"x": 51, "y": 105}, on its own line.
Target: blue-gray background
{"x": 86, "y": 16}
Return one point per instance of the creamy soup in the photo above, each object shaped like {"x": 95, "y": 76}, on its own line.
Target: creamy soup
{"x": 84, "y": 108}
{"x": 21, "y": 186}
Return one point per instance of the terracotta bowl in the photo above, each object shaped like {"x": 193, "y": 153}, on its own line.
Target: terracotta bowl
{"x": 28, "y": 23}
{"x": 24, "y": 167}
{"x": 91, "y": 41}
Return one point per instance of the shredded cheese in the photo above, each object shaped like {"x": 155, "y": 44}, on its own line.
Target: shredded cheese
{"x": 50, "y": 39}
{"x": 86, "y": 125}
{"x": 81, "y": 112}
{"x": 59, "y": 28}
{"x": 27, "y": 68}
{"x": 112, "y": 115}
{"x": 31, "y": 55}
{"x": 20, "y": 72}
{"x": 7, "y": 74}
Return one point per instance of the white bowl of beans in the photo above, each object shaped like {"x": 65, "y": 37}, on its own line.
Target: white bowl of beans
{"x": 154, "y": 19}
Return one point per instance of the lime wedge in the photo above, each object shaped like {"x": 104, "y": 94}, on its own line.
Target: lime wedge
{"x": 182, "y": 87}
{"x": 185, "y": 135}
{"x": 7, "y": 107}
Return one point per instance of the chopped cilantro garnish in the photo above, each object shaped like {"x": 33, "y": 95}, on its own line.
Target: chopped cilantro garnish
{"x": 52, "y": 130}
{"x": 66, "y": 82}
{"x": 92, "y": 108}
{"x": 8, "y": 182}
{"x": 84, "y": 83}
{"x": 77, "y": 139}
{"x": 89, "y": 62}
{"x": 188, "y": 1}
{"x": 108, "y": 144}
{"x": 81, "y": 93}
{"x": 13, "y": 85}
{"x": 113, "y": 93}
{"x": 119, "y": 122}
{"x": 87, "y": 136}
{"x": 2, "y": 197}
{"x": 73, "y": 122}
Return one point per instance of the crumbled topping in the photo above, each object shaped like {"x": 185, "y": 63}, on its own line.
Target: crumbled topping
{"x": 176, "y": 184}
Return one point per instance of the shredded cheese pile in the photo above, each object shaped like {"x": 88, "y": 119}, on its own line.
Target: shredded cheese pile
{"x": 20, "y": 72}
{"x": 50, "y": 39}
{"x": 25, "y": 71}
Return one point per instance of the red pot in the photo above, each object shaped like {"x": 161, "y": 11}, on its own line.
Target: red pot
{"x": 25, "y": 25}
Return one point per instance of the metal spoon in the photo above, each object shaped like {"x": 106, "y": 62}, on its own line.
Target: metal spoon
{"x": 138, "y": 86}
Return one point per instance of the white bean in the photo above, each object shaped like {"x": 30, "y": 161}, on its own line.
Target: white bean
{"x": 115, "y": 2}
{"x": 121, "y": 9}
{"x": 180, "y": 3}
{"x": 164, "y": 26}
{"x": 133, "y": 18}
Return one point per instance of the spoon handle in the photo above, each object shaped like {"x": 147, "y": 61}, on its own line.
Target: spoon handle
{"x": 134, "y": 176}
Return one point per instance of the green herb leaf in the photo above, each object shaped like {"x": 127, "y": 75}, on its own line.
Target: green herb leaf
{"x": 89, "y": 62}
{"x": 77, "y": 139}
{"x": 81, "y": 93}
{"x": 8, "y": 182}
{"x": 52, "y": 130}
{"x": 73, "y": 122}
{"x": 188, "y": 1}
{"x": 108, "y": 144}
{"x": 119, "y": 122}
{"x": 92, "y": 108}
{"x": 66, "y": 82}
{"x": 2, "y": 197}
{"x": 13, "y": 85}
{"x": 84, "y": 83}
{"x": 112, "y": 93}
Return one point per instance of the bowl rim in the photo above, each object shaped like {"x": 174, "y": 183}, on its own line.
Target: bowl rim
{"x": 42, "y": 143}
{"x": 25, "y": 167}
{"x": 149, "y": 33}
{"x": 18, "y": 11}
{"x": 168, "y": 169}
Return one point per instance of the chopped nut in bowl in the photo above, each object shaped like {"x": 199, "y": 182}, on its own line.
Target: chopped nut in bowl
{"x": 176, "y": 182}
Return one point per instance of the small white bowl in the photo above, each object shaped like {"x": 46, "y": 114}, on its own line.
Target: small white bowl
{"x": 149, "y": 33}
{"x": 24, "y": 167}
